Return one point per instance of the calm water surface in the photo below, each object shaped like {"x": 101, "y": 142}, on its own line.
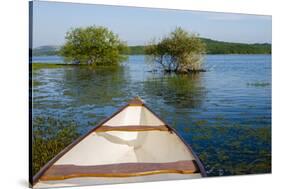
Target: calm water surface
{"x": 224, "y": 113}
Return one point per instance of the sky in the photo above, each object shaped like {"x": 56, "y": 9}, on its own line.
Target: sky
{"x": 138, "y": 26}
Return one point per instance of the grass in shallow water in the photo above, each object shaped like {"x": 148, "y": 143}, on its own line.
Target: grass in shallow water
{"x": 50, "y": 136}
{"x": 231, "y": 150}
{"x": 36, "y": 66}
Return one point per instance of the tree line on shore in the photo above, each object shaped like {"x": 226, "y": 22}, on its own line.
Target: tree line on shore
{"x": 212, "y": 47}
{"x": 179, "y": 51}
{"x": 219, "y": 47}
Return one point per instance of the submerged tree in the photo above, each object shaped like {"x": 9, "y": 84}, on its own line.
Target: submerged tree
{"x": 93, "y": 45}
{"x": 179, "y": 52}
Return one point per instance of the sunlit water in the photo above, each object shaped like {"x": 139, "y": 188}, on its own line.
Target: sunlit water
{"x": 234, "y": 93}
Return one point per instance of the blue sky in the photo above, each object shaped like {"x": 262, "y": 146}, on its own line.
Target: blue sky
{"x": 137, "y": 26}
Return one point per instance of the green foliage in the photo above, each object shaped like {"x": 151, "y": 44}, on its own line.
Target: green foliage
{"x": 180, "y": 51}
{"x": 94, "y": 46}
{"x": 50, "y": 136}
{"x": 220, "y": 47}
{"x": 212, "y": 47}
{"x": 136, "y": 50}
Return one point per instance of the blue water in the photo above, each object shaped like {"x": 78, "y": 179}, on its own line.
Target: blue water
{"x": 47, "y": 59}
{"x": 235, "y": 92}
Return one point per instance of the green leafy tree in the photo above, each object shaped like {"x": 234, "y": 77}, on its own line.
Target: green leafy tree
{"x": 180, "y": 52}
{"x": 93, "y": 45}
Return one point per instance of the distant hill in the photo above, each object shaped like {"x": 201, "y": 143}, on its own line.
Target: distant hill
{"x": 220, "y": 47}
{"x": 47, "y": 50}
{"x": 213, "y": 47}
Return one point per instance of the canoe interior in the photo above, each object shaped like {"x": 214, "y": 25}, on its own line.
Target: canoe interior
{"x": 133, "y": 144}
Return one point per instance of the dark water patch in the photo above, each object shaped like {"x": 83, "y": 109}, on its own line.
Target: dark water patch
{"x": 258, "y": 84}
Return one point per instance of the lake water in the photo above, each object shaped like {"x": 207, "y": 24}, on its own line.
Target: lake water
{"x": 224, "y": 113}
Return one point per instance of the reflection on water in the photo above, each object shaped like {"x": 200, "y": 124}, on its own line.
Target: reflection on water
{"x": 99, "y": 87}
{"x": 179, "y": 91}
{"x": 224, "y": 113}
{"x": 78, "y": 93}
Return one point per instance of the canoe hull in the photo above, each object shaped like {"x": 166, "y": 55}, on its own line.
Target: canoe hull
{"x": 133, "y": 136}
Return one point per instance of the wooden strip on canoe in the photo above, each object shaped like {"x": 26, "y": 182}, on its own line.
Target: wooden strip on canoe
{"x": 61, "y": 172}
{"x": 136, "y": 102}
{"x": 105, "y": 128}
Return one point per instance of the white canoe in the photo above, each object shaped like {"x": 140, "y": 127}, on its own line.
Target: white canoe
{"x": 132, "y": 145}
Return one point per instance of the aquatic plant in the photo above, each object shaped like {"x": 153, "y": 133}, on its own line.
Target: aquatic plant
{"x": 232, "y": 149}
{"x": 37, "y": 65}
{"x": 50, "y": 136}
